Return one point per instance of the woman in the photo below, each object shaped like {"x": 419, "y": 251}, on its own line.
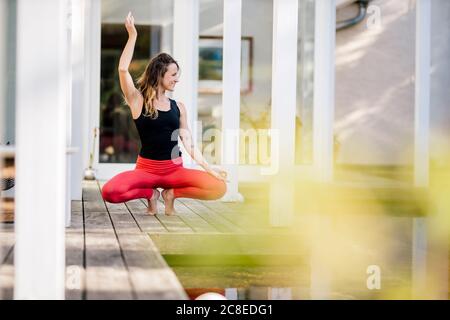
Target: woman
{"x": 160, "y": 121}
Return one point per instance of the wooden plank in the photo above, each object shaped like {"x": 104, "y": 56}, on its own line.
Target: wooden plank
{"x": 7, "y": 276}
{"x": 6, "y": 240}
{"x": 76, "y": 206}
{"x": 258, "y": 203}
{"x": 6, "y": 262}
{"x": 91, "y": 191}
{"x": 149, "y": 274}
{"x": 112, "y": 207}
{"x": 94, "y": 206}
{"x": 252, "y": 217}
{"x": 232, "y": 206}
{"x": 146, "y": 222}
{"x": 221, "y": 207}
{"x": 172, "y": 223}
{"x": 193, "y": 220}
{"x": 138, "y": 210}
{"x": 116, "y": 207}
{"x": 229, "y": 244}
{"x": 92, "y": 197}
{"x": 220, "y": 223}
{"x": 124, "y": 223}
{"x": 75, "y": 271}
{"x": 106, "y": 274}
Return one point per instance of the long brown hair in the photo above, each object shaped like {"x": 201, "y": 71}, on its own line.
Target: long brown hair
{"x": 148, "y": 82}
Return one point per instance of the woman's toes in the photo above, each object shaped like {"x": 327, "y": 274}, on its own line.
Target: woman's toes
{"x": 169, "y": 210}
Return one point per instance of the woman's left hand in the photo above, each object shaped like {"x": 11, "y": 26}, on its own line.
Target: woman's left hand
{"x": 218, "y": 173}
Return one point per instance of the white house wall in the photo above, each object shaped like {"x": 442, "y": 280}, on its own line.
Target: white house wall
{"x": 375, "y": 70}
{"x": 375, "y": 87}
{"x": 144, "y": 12}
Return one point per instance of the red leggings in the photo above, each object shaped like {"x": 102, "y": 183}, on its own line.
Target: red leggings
{"x": 167, "y": 174}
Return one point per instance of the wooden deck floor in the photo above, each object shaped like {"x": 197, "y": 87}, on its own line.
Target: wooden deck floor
{"x": 113, "y": 251}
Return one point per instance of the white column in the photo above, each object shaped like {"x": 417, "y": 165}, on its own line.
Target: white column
{"x": 3, "y": 45}
{"x": 231, "y": 95}
{"x": 284, "y": 86}
{"x": 42, "y": 90}
{"x": 167, "y": 40}
{"x": 324, "y": 86}
{"x": 78, "y": 96}
{"x": 3, "y": 76}
{"x": 92, "y": 55}
{"x": 422, "y": 92}
{"x": 69, "y": 113}
{"x": 421, "y": 140}
{"x": 185, "y": 51}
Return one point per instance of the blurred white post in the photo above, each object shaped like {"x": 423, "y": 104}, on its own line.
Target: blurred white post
{"x": 324, "y": 86}
{"x": 231, "y": 95}
{"x": 284, "y": 87}
{"x": 185, "y": 51}
{"x": 91, "y": 99}
{"x": 421, "y": 141}
{"x": 42, "y": 89}
{"x": 69, "y": 114}
{"x": 3, "y": 45}
{"x": 422, "y": 93}
{"x": 78, "y": 96}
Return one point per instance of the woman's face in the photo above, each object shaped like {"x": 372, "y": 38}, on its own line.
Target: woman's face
{"x": 170, "y": 77}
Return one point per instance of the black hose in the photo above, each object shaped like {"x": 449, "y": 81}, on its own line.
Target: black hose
{"x": 363, "y": 4}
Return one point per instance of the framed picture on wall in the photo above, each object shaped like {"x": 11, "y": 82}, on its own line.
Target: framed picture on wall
{"x": 211, "y": 62}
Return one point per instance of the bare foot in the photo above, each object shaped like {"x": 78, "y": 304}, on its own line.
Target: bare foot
{"x": 169, "y": 199}
{"x": 153, "y": 203}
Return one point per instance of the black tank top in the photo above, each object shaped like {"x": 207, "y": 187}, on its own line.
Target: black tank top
{"x": 159, "y": 137}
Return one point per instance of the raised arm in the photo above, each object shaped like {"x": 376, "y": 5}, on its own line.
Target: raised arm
{"x": 132, "y": 95}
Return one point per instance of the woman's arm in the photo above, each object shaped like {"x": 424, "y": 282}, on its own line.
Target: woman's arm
{"x": 132, "y": 95}
{"x": 186, "y": 138}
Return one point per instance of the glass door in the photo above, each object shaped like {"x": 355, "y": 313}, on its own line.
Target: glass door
{"x": 117, "y": 137}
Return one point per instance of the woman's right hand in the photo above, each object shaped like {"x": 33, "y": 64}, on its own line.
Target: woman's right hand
{"x": 129, "y": 24}
{"x": 218, "y": 173}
